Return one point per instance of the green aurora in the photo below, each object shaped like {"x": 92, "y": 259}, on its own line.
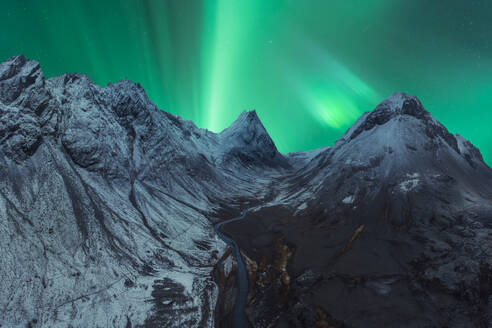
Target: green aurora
{"x": 309, "y": 68}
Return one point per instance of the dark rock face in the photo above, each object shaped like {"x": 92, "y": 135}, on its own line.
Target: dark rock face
{"x": 107, "y": 206}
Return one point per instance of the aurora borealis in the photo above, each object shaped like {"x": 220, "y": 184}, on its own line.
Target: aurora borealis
{"x": 309, "y": 68}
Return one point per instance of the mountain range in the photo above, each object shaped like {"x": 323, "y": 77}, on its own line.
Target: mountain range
{"x": 108, "y": 206}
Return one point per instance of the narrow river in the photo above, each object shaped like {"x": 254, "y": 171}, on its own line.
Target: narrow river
{"x": 239, "y": 315}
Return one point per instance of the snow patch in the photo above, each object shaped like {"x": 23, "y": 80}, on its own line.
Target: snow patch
{"x": 228, "y": 264}
{"x": 184, "y": 278}
{"x": 411, "y": 183}
{"x": 303, "y": 206}
{"x": 349, "y": 199}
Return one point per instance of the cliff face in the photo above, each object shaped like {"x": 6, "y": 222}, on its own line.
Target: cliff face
{"x": 107, "y": 207}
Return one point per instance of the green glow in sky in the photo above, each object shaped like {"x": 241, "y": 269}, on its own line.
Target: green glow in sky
{"x": 309, "y": 68}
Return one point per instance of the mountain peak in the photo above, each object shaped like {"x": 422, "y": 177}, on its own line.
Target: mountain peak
{"x": 397, "y": 99}
{"x": 247, "y": 118}
{"x": 247, "y": 139}
{"x": 400, "y": 121}
{"x": 129, "y": 98}
{"x": 249, "y": 113}
{"x": 402, "y": 104}
{"x": 247, "y": 125}
{"x": 18, "y": 64}
{"x": 11, "y": 66}
{"x": 397, "y": 104}
{"x": 17, "y": 74}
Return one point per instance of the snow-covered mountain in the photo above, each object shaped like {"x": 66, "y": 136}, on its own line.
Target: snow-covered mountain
{"x": 107, "y": 206}
{"x": 107, "y": 203}
{"x": 389, "y": 227}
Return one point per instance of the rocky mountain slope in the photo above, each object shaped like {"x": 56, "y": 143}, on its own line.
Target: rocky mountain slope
{"x": 107, "y": 203}
{"x": 107, "y": 206}
{"x": 390, "y": 227}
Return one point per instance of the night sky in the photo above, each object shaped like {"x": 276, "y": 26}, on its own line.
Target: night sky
{"x": 309, "y": 68}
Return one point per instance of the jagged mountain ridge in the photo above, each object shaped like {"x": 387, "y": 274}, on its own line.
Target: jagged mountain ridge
{"x": 93, "y": 181}
{"x": 108, "y": 200}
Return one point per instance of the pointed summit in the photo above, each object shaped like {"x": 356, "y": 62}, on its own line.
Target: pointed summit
{"x": 402, "y": 103}
{"x": 247, "y": 140}
{"x": 11, "y": 66}
{"x": 129, "y": 98}
{"x": 247, "y": 118}
{"x": 19, "y": 65}
{"x": 400, "y": 125}
{"x": 247, "y": 127}
{"x": 16, "y": 74}
{"x": 398, "y": 104}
